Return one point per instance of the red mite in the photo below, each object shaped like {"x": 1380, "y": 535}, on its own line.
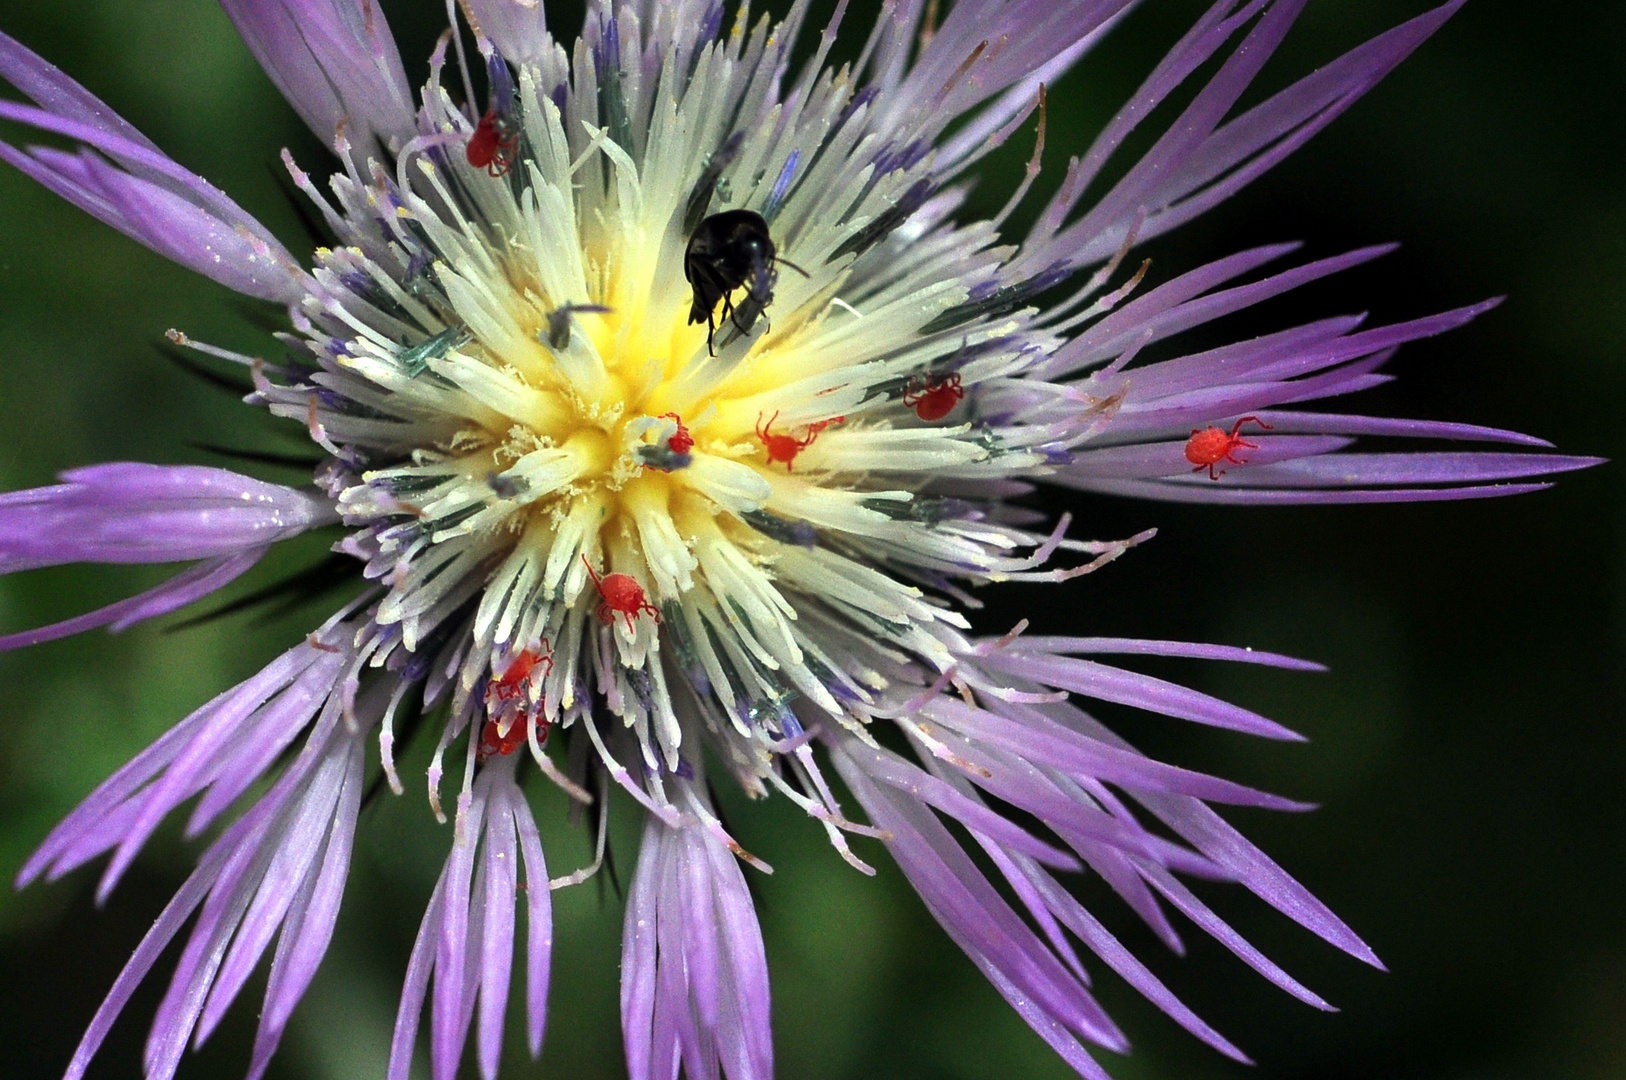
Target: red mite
{"x": 933, "y": 398}
{"x": 1208, "y": 447}
{"x": 508, "y": 699}
{"x": 681, "y": 441}
{"x": 492, "y": 145}
{"x": 620, "y": 594}
{"x": 784, "y": 448}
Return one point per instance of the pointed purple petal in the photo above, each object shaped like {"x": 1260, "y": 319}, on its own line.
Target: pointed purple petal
{"x": 128, "y": 512}
{"x": 977, "y": 918}
{"x": 1143, "y": 647}
{"x": 158, "y": 203}
{"x": 182, "y": 589}
{"x": 517, "y": 27}
{"x": 890, "y": 769}
{"x": 309, "y": 929}
{"x": 1119, "y": 959}
{"x": 415, "y": 987}
{"x": 538, "y": 923}
{"x": 1257, "y": 871}
{"x": 451, "y": 1001}
{"x": 500, "y": 856}
{"x": 336, "y": 63}
{"x": 1105, "y": 683}
{"x": 54, "y": 92}
{"x": 1423, "y": 468}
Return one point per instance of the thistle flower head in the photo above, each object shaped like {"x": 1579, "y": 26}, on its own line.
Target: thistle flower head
{"x": 670, "y": 406}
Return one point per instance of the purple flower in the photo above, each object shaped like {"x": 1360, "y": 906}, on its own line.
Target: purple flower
{"x": 589, "y": 527}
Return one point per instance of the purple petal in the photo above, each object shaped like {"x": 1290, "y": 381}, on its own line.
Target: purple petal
{"x": 1315, "y": 99}
{"x": 451, "y": 1001}
{"x": 969, "y": 142}
{"x": 1149, "y": 181}
{"x": 1176, "y": 386}
{"x": 1198, "y": 162}
{"x": 1201, "y": 826}
{"x": 1172, "y": 306}
{"x": 1063, "y": 808}
{"x": 1143, "y": 692}
{"x": 252, "y": 885}
{"x": 415, "y": 987}
{"x": 298, "y": 896}
{"x": 113, "y": 791}
{"x": 894, "y": 771}
{"x": 978, "y": 919}
{"x": 178, "y": 1011}
{"x": 1145, "y": 461}
{"x": 517, "y": 27}
{"x": 500, "y": 855}
{"x": 1031, "y": 36}
{"x": 158, "y": 203}
{"x": 1253, "y": 143}
{"x": 54, "y": 92}
{"x": 309, "y": 928}
{"x": 1142, "y": 647}
{"x": 336, "y": 63}
{"x": 182, "y": 589}
{"x": 1331, "y": 424}
{"x": 539, "y": 922}
{"x": 1199, "y": 43}
{"x": 639, "y": 960}
{"x": 1174, "y": 491}
{"x": 1041, "y": 740}
{"x": 1121, "y": 960}
{"x": 244, "y": 752}
{"x": 1210, "y": 833}
{"x": 134, "y": 513}
{"x": 1221, "y": 931}
{"x": 174, "y": 916}
{"x": 107, "y": 816}
{"x": 694, "y": 985}
{"x": 1451, "y": 467}
{"x": 192, "y": 767}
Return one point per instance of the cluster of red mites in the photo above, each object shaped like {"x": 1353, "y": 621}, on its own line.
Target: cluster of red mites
{"x": 511, "y": 700}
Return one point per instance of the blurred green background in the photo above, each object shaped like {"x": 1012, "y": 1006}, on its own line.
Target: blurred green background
{"x": 1467, "y": 747}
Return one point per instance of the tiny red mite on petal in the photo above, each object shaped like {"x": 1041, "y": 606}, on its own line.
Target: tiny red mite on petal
{"x": 681, "y": 441}
{"x": 620, "y": 594}
{"x": 491, "y": 147}
{"x": 933, "y": 398}
{"x": 1209, "y": 446}
{"x": 784, "y": 448}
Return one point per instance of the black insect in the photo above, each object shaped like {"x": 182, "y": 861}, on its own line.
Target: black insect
{"x": 729, "y": 250}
